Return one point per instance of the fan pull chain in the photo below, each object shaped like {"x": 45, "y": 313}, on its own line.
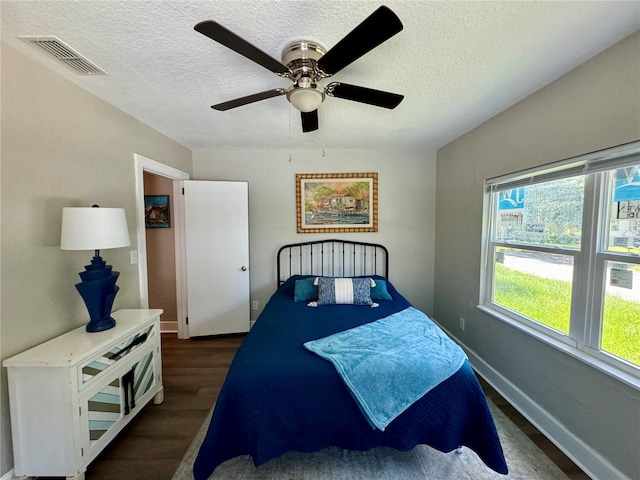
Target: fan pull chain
{"x": 321, "y": 133}
{"x": 289, "y": 133}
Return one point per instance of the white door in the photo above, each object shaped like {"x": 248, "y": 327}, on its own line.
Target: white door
{"x": 217, "y": 256}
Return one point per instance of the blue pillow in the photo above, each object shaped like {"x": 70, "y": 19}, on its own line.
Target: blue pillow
{"x": 380, "y": 292}
{"x": 354, "y": 291}
{"x": 305, "y": 290}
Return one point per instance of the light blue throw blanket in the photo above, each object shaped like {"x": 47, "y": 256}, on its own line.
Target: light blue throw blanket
{"x": 390, "y": 363}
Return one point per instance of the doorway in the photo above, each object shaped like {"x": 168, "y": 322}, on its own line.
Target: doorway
{"x": 165, "y": 178}
{"x": 161, "y": 248}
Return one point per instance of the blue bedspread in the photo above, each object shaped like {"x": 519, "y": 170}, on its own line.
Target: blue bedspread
{"x": 392, "y": 362}
{"x": 280, "y": 397}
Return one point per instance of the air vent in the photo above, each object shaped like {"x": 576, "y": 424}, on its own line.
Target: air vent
{"x": 63, "y": 53}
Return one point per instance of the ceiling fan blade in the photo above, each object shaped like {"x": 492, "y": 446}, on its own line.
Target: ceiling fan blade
{"x": 364, "y": 95}
{"x": 309, "y": 121}
{"x": 375, "y": 29}
{"x": 220, "y": 34}
{"x": 256, "y": 97}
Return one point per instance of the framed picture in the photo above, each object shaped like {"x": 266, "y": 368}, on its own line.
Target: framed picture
{"x": 156, "y": 211}
{"x": 337, "y": 202}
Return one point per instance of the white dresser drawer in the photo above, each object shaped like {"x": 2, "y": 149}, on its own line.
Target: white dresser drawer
{"x": 112, "y": 356}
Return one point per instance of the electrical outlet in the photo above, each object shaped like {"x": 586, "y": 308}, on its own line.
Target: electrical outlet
{"x": 462, "y": 322}
{"x": 254, "y": 305}
{"x": 134, "y": 256}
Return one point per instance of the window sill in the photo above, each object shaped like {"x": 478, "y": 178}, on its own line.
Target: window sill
{"x": 633, "y": 380}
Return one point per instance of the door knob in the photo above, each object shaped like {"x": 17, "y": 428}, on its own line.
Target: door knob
{"x": 244, "y": 269}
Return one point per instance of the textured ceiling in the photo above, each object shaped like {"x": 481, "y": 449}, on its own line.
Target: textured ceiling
{"x": 457, "y": 63}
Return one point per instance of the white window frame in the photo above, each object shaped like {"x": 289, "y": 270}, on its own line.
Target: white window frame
{"x": 589, "y": 261}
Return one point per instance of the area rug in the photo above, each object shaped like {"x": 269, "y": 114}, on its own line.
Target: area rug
{"x": 524, "y": 459}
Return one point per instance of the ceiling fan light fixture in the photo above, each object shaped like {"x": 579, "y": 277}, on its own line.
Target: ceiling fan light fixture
{"x": 305, "y": 99}
{"x": 305, "y": 95}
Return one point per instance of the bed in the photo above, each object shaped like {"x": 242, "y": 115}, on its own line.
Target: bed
{"x": 280, "y": 396}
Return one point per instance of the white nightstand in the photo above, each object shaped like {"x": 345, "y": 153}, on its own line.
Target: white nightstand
{"x": 71, "y": 396}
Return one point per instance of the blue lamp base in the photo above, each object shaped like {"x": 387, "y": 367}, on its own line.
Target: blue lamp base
{"x": 100, "y": 325}
{"x": 98, "y": 290}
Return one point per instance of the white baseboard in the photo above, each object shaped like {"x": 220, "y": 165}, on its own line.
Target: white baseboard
{"x": 590, "y": 461}
{"x": 169, "y": 327}
{"x": 10, "y": 476}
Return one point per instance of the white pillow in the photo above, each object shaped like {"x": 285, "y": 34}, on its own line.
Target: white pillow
{"x": 344, "y": 291}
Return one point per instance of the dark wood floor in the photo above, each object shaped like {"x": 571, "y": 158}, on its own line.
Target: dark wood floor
{"x": 152, "y": 446}
{"x": 565, "y": 464}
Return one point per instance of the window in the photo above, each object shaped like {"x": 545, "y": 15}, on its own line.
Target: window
{"x": 562, "y": 256}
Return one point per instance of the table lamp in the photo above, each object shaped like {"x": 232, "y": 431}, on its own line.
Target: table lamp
{"x": 95, "y": 228}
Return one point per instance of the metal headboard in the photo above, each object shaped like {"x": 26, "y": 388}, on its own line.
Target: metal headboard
{"x": 335, "y": 258}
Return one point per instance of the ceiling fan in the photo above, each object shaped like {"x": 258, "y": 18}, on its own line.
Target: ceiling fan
{"x": 307, "y": 63}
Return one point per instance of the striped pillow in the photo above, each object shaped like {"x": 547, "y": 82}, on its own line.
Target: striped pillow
{"x": 344, "y": 291}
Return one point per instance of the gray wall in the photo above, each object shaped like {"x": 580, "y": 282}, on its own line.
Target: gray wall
{"x": 406, "y": 189}
{"x": 595, "y": 106}
{"x": 61, "y": 146}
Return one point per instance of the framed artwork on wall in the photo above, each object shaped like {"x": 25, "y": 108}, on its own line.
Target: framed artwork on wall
{"x": 156, "y": 211}
{"x": 336, "y": 202}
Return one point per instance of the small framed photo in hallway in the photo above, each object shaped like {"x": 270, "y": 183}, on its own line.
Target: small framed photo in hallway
{"x": 156, "y": 211}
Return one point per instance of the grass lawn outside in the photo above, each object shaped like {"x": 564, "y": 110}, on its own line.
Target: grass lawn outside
{"x": 549, "y": 302}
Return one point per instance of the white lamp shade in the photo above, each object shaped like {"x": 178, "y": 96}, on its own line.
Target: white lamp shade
{"x": 93, "y": 228}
